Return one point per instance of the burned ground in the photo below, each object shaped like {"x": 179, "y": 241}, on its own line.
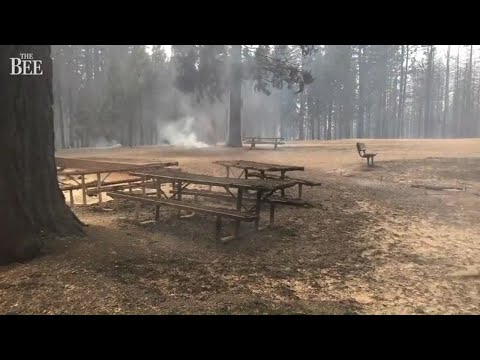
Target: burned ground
{"x": 371, "y": 244}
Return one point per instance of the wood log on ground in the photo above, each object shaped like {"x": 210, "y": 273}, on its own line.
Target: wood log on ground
{"x": 436, "y": 187}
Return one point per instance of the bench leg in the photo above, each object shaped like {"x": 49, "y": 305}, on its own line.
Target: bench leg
{"x": 157, "y": 207}
{"x": 137, "y": 211}
{"x": 257, "y": 209}
{"x": 282, "y": 177}
{"x": 228, "y": 171}
{"x": 236, "y": 230}
{"x": 272, "y": 214}
{"x": 246, "y": 173}
{"x": 218, "y": 227}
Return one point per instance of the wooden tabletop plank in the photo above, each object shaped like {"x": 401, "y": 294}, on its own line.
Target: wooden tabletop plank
{"x": 249, "y": 184}
{"x": 253, "y": 165}
{"x": 120, "y": 168}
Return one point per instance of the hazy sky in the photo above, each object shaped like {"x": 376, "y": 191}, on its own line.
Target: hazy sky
{"x": 442, "y": 50}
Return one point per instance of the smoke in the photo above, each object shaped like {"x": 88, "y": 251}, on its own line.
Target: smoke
{"x": 180, "y": 133}
{"x": 102, "y": 142}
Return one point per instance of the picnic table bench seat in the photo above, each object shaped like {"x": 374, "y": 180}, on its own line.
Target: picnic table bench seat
{"x": 226, "y": 196}
{"x": 220, "y": 213}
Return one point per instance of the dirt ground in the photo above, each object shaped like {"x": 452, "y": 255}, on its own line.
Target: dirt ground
{"x": 372, "y": 244}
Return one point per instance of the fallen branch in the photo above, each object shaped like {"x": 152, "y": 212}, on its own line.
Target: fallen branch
{"x": 437, "y": 187}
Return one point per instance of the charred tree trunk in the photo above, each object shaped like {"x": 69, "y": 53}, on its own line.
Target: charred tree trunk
{"x": 235, "y": 124}
{"x": 32, "y": 203}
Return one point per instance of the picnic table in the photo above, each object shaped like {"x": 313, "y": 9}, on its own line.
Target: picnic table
{"x": 260, "y": 168}
{"x": 254, "y": 140}
{"x": 101, "y": 185}
{"x": 266, "y": 171}
{"x": 234, "y": 188}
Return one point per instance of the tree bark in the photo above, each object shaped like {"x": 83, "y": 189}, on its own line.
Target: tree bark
{"x": 362, "y": 78}
{"x": 32, "y": 203}
{"x": 235, "y": 124}
{"x": 447, "y": 93}
{"x": 404, "y": 94}
{"x": 428, "y": 91}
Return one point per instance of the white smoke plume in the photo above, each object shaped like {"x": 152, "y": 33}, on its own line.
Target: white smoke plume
{"x": 180, "y": 133}
{"x": 103, "y": 143}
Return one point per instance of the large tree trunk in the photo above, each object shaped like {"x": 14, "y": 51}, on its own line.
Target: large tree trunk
{"x": 404, "y": 96}
{"x": 32, "y": 203}
{"x": 329, "y": 121}
{"x": 447, "y": 92}
{"x": 427, "y": 120}
{"x": 362, "y": 78}
{"x": 235, "y": 124}
{"x": 301, "y": 117}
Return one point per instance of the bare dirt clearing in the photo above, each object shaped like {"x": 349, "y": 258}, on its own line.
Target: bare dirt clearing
{"x": 372, "y": 244}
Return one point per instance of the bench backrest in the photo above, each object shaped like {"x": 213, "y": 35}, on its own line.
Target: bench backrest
{"x": 361, "y": 147}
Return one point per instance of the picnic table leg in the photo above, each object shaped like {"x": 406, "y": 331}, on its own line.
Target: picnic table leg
{"x": 72, "y": 202}
{"x": 99, "y": 185}
{"x": 282, "y": 177}
{"x": 239, "y": 208}
{"x": 84, "y": 191}
{"x": 246, "y": 173}
{"x": 179, "y": 195}
{"x": 228, "y": 171}
{"x": 257, "y": 209}
{"x": 143, "y": 186}
{"x": 275, "y": 146}
{"x": 300, "y": 190}
{"x": 372, "y": 160}
{"x": 157, "y": 207}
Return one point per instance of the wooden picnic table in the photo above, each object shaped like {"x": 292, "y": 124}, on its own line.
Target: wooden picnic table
{"x": 260, "y": 170}
{"x": 257, "y": 166}
{"x": 100, "y": 183}
{"x": 180, "y": 180}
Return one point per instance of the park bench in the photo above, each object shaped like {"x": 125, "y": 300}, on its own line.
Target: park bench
{"x": 220, "y": 213}
{"x": 362, "y": 151}
{"x": 256, "y": 140}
